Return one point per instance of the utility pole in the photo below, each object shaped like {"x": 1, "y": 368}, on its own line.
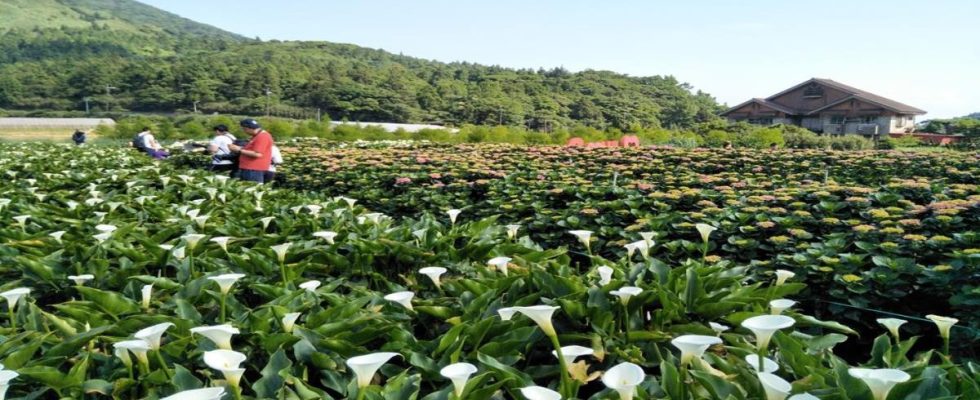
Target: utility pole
{"x": 195, "y": 106}
{"x": 268, "y": 101}
{"x": 318, "y": 114}
{"x": 86, "y": 100}
{"x": 108, "y": 94}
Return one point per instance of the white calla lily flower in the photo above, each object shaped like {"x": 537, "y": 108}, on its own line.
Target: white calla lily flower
{"x": 14, "y": 295}
{"x": 22, "y": 220}
{"x": 220, "y": 335}
{"x": 642, "y": 245}
{"x": 768, "y": 365}
{"x": 605, "y": 275}
{"x": 453, "y": 214}
{"x": 583, "y": 237}
{"x": 102, "y": 237}
{"x": 572, "y": 352}
{"x": 693, "y": 346}
{"x": 310, "y": 286}
{"x": 705, "y": 231}
{"x": 459, "y": 374}
{"x": 803, "y": 396}
{"x": 226, "y": 281}
{"x": 512, "y": 231}
{"x": 179, "y": 253}
{"x": 880, "y": 381}
{"x": 265, "y": 222}
{"x": 201, "y": 221}
{"x": 783, "y": 275}
{"x": 289, "y": 321}
{"x": 327, "y": 236}
{"x": 153, "y": 335}
{"x": 506, "y": 313}
{"x": 374, "y": 217}
{"x": 540, "y": 393}
{"x": 81, "y": 279}
{"x": 779, "y": 305}
{"x": 626, "y": 292}
{"x": 192, "y": 240}
{"x": 540, "y": 314}
{"x": 434, "y": 273}
{"x": 138, "y": 347}
{"x": 776, "y": 388}
{"x": 211, "y": 393}
{"x": 221, "y": 241}
{"x": 500, "y": 263}
{"x": 228, "y": 362}
{"x": 893, "y": 324}
{"x": 624, "y": 378}
{"x": 648, "y": 237}
{"x": 945, "y": 324}
{"x": 718, "y": 328}
{"x": 281, "y": 251}
{"x": 105, "y": 228}
{"x": 630, "y": 250}
{"x": 764, "y": 326}
{"x": 146, "y": 293}
{"x": 366, "y": 366}
{"x": 57, "y": 235}
{"x": 404, "y": 298}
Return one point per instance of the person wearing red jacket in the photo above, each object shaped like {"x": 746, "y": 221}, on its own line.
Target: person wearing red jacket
{"x": 256, "y": 157}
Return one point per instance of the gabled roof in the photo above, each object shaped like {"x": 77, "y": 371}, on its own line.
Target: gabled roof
{"x": 890, "y": 104}
{"x": 865, "y": 99}
{"x": 765, "y": 103}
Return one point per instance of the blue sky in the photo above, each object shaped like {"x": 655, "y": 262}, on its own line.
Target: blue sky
{"x": 923, "y": 53}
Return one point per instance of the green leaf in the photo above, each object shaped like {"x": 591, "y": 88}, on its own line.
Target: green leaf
{"x": 112, "y": 303}
{"x": 271, "y": 382}
{"x": 184, "y": 379}
{"x": 505, "y": 371}
{"x": 403, "y": 386}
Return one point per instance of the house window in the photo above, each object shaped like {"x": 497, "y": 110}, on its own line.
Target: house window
{"x": 813, "y": 90}
{"x": 760, "y": 121}
{"x": 837, "y": 119}
{"x": 899, "y": 121}
{"x": 870, "y": 119}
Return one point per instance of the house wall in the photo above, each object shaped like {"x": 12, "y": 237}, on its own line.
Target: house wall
{"x": 902, "y": 125}
{"x": 756, "y": 110}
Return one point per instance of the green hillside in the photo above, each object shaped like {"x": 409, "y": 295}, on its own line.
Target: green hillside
{"x": 56, "y": 53}
{"x": 123, "y": 16}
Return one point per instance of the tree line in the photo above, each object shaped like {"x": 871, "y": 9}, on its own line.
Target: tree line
{"x": 113, "y": 71}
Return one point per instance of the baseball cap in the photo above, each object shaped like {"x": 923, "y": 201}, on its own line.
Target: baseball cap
{"x": 250, "y": 123}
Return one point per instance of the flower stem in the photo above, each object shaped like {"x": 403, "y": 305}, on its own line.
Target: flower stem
{"x": 564, "y": 387}
{"x": 626, "y": 322}
{"x": 223, "y": 295}
{"x": 282, "y": 271}
{"x": 360, "y": 393}
{"x": 762, "y": 365}
{"x": 163, "y": 364}
{"x": 237, "y": 392}
{"x": 13, "y": 318}
{"x": 946, "y": 345}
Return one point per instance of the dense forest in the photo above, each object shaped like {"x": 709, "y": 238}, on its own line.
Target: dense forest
{"x": 93, "y": 50}
{"x": 967, "y": 126}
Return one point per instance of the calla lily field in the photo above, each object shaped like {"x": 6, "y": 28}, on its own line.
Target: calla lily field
{"x": 436, "y": 272}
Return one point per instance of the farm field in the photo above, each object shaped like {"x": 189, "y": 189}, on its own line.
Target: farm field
{"x": 38, "y": 134}
{"x": 868, "y": 230}
{"x": 406, "y": 270}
